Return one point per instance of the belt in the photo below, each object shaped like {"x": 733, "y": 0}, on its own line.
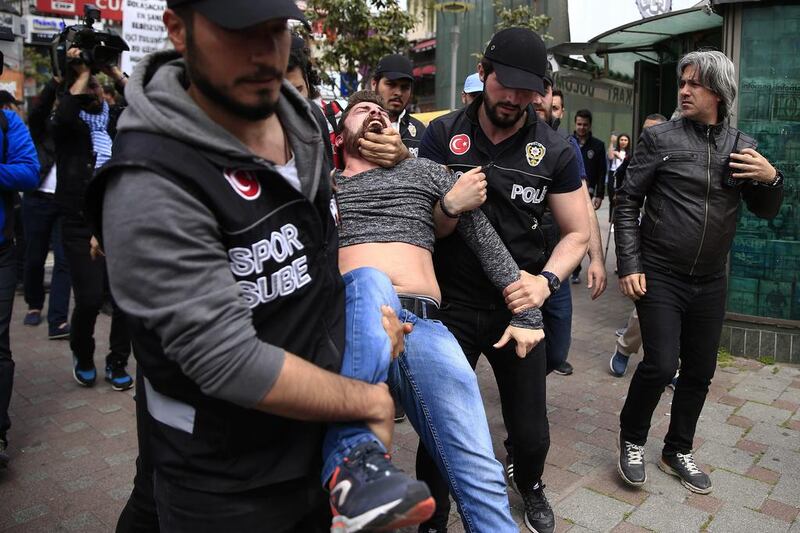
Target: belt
{"x": 422, "y": 306}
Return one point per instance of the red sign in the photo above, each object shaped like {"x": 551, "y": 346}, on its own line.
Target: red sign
{"x": 109, "y": 9}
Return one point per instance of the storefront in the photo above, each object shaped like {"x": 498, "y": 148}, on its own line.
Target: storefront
{"x": 762, "y": 39}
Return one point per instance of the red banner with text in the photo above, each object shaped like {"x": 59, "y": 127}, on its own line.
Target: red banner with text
{"x": 109, "y": 9}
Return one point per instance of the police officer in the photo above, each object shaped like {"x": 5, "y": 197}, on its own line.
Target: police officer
{"x": 528, "y": 166}
{"x": 394, "y": 80}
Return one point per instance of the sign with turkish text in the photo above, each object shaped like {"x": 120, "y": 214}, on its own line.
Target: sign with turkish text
{"x": 143, "y": 30}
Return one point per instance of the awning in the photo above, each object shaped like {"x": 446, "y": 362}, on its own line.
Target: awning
{"x": 641, "y": 35}
{"x": 636, "y": 40}
{"x": 427, "y": 70}
{"x": 423, "y": 46}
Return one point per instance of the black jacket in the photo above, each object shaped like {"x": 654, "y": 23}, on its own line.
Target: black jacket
{"x": 75, "y": 155}
{"x": 594, "y": 161}
{"x": 411, "y": 131}
{"x": 41, "y": 128}
{"x": 690, "y": 217}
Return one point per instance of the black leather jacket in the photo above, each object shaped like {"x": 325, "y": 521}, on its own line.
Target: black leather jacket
{"x": 690, "y": 217}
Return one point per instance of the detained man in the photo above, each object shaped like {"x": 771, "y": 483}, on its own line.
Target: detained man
{"x": 389, "y": 221}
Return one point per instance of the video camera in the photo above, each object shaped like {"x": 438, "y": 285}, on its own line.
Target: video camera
{"x": 98, "y": 49}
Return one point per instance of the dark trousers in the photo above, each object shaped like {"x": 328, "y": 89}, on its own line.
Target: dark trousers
{"x": 139, "y": 514}
{"x": 42, "y": 222}
{"x": 523, "y": 396}
{"x": 299, "y": 506}
{"x": 681, "y": 319}
{"x": 557, "y": 318}
{"x": 89, "y": 283}
{"x": 8, "y": 284}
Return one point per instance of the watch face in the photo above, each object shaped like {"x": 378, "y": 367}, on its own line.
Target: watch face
{"x": 554, "y": 285}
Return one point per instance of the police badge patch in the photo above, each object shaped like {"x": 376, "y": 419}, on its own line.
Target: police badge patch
{"x": 590, "y": 154}
{"x": 412, "y": 130}
{"x": 534, "y": 152}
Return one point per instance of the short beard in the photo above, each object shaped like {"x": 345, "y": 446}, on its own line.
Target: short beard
{"x": 495, "y": 118}
{"x": 253, "y": 113}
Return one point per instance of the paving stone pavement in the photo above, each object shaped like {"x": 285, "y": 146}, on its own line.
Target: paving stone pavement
{"x": 73, "y": 449}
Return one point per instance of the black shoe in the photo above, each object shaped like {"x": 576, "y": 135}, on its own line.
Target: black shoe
{"x": 3, "y": 453}
{"x": 84, "y": 376}
{"x": 118, "y": 377}
{"x": 564, "y": 369}
{"x": 429, "y": 529}
{"x": 369, "y": 493}
{"x": 631, "y": 463}
{"x": 539, "y": 515}
{"x": 58, "y": 332}
{"x": 399, "y": 412}
{"x": 683, "y": 466}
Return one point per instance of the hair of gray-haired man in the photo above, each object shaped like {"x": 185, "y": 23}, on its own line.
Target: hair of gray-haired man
{"x": 714, "y": 71}
{"x": 675, "y": 114}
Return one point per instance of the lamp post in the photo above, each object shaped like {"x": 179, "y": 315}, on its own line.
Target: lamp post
{"x": 456, "y": 8}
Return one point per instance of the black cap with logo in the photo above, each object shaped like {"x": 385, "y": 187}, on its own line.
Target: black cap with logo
{"x": 238, "y": 14}
{"x": 519, "y": 57}
{"x": 395, "y": 67}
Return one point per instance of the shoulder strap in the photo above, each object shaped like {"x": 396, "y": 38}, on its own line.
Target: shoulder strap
{"x": 4, "y": 129}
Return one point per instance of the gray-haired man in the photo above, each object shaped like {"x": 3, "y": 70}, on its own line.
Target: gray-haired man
{"x": 694, "y": 171}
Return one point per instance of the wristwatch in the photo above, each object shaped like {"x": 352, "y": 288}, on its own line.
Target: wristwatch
{"x": 552, "y": 281}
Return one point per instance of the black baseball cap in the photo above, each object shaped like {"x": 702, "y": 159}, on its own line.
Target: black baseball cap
{"x": 395, "y": 67}
{"x": 519, "y": 58}
{"x": 238, "y": 14}
{"x": 8, "y": 98}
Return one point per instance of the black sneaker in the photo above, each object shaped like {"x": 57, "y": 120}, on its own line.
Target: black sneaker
{"x": 539, "y": 517}
{"x": 631, "y": 463}
{"x": 3, "y": 453}
{"x": 118, "y": 377}
{"x": 84, "y": 376}
{"x": 369, "y": 492}
{"x": 399, "y": 412}
{"x": 683, "y": 466}
{"x": 564, "y": 369}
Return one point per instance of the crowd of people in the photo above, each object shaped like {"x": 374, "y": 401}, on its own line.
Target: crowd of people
{"x": 296, "y": 276}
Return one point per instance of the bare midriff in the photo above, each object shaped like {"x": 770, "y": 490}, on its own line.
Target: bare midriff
{"x": 409, "y": 267}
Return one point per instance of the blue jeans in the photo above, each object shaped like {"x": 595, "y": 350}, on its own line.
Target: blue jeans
{"x": 42, "y": 222}
{"x": 557, "y": 318}
{"x": 439, "y": 392}
{"x": 367, "y": 355}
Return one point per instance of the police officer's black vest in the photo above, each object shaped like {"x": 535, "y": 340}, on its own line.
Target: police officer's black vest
{"x": 517, "y": 181}
{"x": 411, "y": 131}
{"x": 282, "y": 250}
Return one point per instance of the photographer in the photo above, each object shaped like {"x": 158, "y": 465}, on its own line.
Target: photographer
{"x": 82, "y": 126}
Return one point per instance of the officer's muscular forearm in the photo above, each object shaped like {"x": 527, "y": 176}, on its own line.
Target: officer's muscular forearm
{"x": 304, "y": 391}
{"x": 567, "y": 254}
{"x": 595, "y": 241}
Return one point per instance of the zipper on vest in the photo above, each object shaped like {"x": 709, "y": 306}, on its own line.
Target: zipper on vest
{"x": 705, "y": 205}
